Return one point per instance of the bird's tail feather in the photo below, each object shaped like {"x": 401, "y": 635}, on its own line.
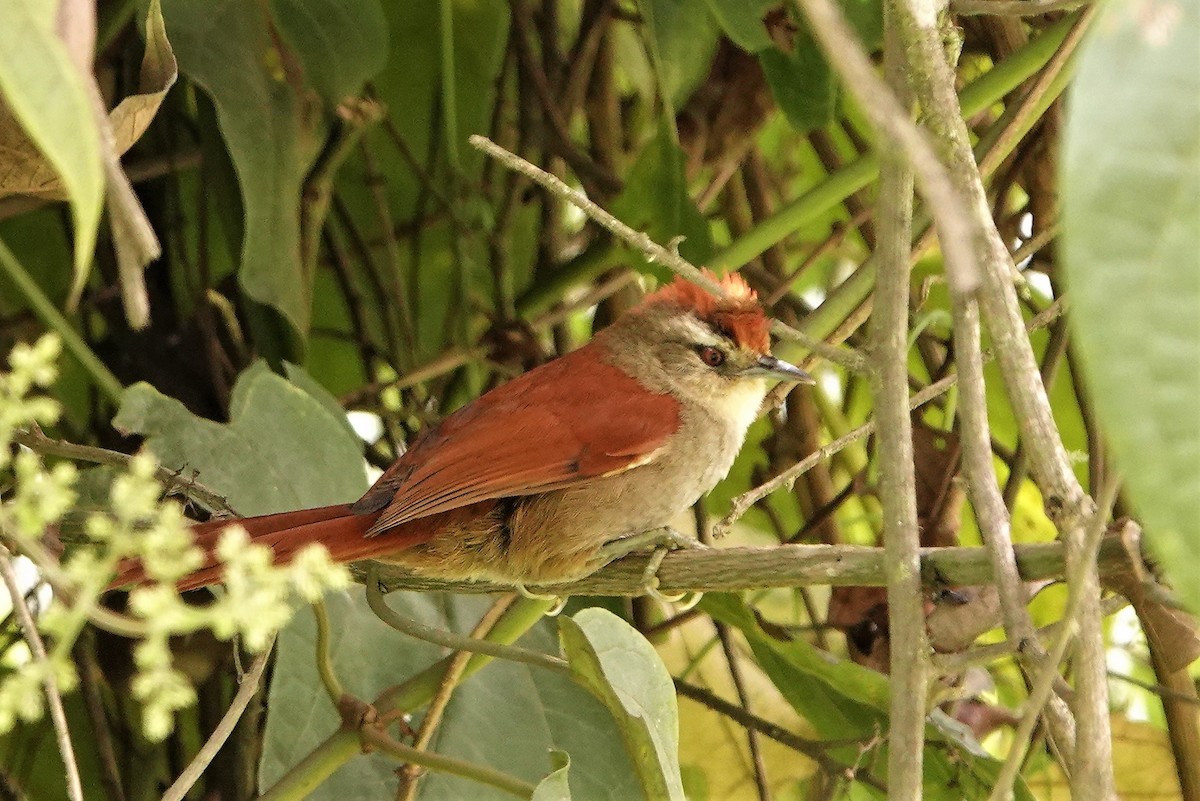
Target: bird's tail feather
{"x": 337, "y": 528}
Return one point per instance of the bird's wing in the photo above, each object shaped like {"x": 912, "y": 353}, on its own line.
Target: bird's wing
{"x": 572, "y": 419}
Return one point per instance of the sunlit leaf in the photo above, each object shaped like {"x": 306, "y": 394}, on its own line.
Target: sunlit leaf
{"x": 1131, "y": 234}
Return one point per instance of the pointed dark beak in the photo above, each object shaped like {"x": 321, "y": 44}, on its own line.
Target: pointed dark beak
{"x": 770, "y": 367}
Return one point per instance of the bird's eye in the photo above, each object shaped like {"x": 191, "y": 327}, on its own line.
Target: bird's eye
{"x": 713, "y": 357}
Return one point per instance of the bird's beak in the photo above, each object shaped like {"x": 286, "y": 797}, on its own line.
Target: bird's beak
{"x": 770, "y": 367}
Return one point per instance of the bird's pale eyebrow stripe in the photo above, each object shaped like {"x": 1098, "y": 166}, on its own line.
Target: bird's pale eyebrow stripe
{"x": 704, "y": 332}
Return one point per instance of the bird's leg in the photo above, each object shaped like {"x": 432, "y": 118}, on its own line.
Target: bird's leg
{"x": 662, "y": 540}
{"x": 656, "y": 538}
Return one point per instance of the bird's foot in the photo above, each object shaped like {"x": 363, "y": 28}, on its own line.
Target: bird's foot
{"x": 663, "y": 541}
{"x": 656, "y": 538}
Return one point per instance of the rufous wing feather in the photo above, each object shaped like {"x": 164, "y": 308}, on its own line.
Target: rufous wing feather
{"x": 570, "y": 420}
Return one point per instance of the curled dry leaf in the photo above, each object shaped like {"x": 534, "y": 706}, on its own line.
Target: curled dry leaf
{"x": 23, "y": 169}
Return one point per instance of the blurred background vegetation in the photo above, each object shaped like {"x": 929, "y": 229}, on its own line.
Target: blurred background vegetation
{"x": 322, "y": 217}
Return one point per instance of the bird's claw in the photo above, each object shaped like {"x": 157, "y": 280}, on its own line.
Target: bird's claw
{"x": 650, "y": 582}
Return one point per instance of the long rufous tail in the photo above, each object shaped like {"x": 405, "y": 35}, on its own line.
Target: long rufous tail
{"x": 342, "y": 532}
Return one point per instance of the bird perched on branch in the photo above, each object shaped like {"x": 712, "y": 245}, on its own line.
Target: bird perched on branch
{"x": 544, "y": 478}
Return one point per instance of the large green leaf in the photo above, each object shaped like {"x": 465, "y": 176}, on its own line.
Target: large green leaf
{"x": 46, "y": 111}
{"x": 617, "y": 665}
{"x": 273, "y": 133}
{"x": 508, "y": 716}
{"x": 341, "y": 44}
{"x": 1131, "y": 241}
{"x": 282, "y": 449}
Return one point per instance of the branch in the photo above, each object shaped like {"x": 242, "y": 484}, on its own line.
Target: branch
{"x": 846, "y": 55}
{"x": 38, "y": 442}
{"x": 909, "y": 667}
{"x": 735, "y": 569}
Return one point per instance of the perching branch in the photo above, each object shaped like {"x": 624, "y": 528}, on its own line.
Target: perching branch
{"x": 735, "y": 569}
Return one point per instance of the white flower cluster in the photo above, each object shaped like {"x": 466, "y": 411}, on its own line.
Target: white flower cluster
{"x": 258, "y": 597}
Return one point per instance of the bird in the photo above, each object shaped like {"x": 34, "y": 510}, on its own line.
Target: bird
{"x": 542, "y": 479}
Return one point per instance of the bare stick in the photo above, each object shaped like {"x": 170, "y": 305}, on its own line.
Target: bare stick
{"x": 850, "y": 359}
{"x": 437, "y": 706}
{"x": 58, "y": 715}
{"x": 990, "y": 511}
{"x": 909, "y": 659}
{"x": 208, "y": 751}
{"x": 1044, "y": 681}
{"x": 38, "y": 442}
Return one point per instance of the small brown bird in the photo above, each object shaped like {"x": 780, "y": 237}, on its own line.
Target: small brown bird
{"x": 529, "y": 482}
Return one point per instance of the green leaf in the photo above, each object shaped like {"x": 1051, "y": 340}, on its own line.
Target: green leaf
{"x": 839, "y": 697}
{"x": 555, "y": 786}
{"x": 273, "y": 135}
{"x": 616, "y": 664}
{"x": 47, "y": 114}
{"x": 655, "y": 200}
{"x": 1131, "y": 235}
{"x": 802, "y": 83}
{"x": 844, "y": 700}
{"x": 682, "y": 38}
{"x": 742, "y": 22}
{"x": 341, "y": 45}
{"x": 510, "y": 716}
{"x": 282, "y": 449}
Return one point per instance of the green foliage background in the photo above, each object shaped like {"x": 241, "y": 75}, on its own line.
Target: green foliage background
{"x": 330, "y": 242}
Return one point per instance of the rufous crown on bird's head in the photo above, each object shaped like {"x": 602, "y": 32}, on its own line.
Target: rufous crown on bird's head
{"x": 738, "y": 314}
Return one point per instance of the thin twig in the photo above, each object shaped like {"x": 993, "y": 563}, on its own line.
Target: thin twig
{"x": 208, "y": 751}
{"x": 739, "y": 685}
{"x": 37, "y": 648}
{"x": 991, "y": 512}
{"x": 654, "y": 253}
{"x": 815, "y": 750}
{"x": 38, "y": 442}
{"x": 90, "y": 680}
